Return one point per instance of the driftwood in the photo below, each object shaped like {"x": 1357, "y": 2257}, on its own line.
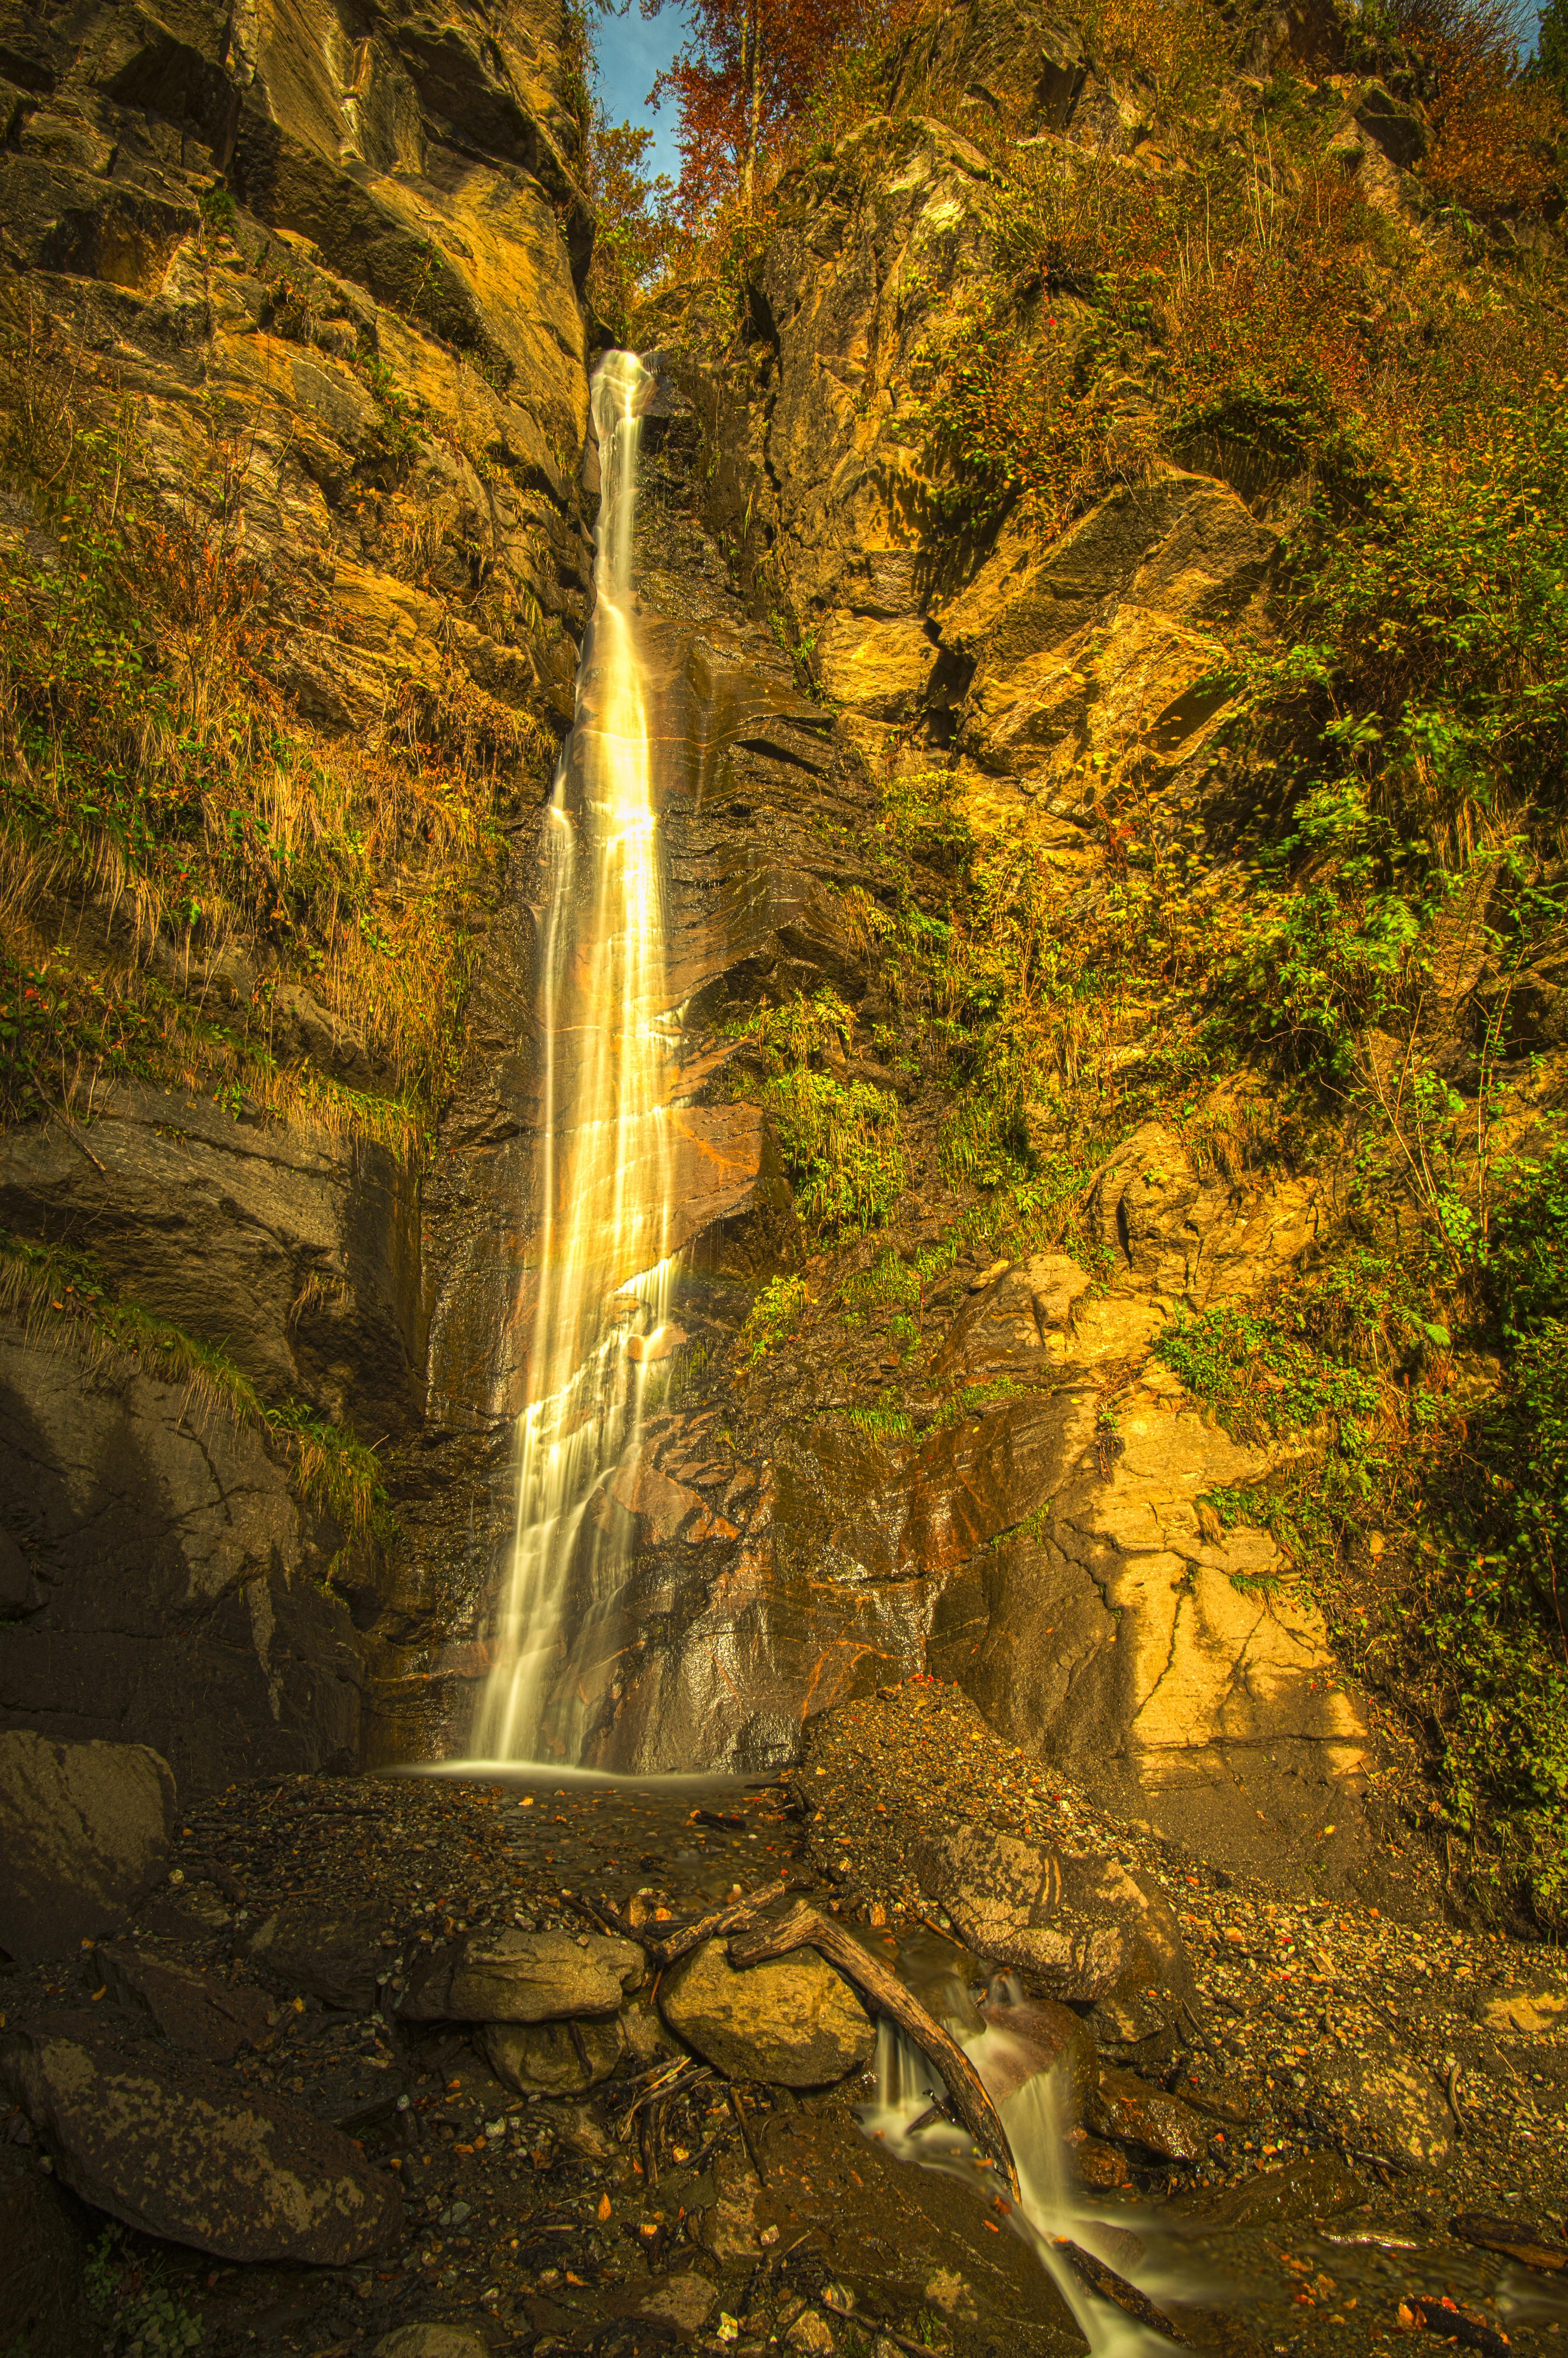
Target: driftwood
{"x": 1441, "y": 2316}
{"x": 665, "y": 1948}
{"x": 704, "y": 1928}
{"x": 1104, "y": 2280}
{"x": 803, "y": 1927}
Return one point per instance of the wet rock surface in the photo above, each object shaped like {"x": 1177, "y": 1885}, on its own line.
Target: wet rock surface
{"x": 342, "y": 281}
{"x": 792, "y": 2022}
{"x": 178, "y": 2152}
{"x": 606, "y": 2193}
{"x": 513, "y": 1977}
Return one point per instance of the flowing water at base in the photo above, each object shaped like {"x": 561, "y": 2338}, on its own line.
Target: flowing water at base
{"x": 602, "y": 1268}
{"x": 1051, "y": 2208}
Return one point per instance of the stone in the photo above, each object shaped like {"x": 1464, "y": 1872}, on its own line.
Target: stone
{"x": 1516, "y": 2239}
{"x": 1319, "y": 2186}
{"x": 84, "y": 1834}
{"x": 196, "y": 2011}
{"x": 552, "y": 2058}
{"x": 514, "y": 1977}
{"x": 178, "y": 2151}
{"x": 1389, "y": 2106}
{"x": 811, "y": 2335}
{"x": 1083, "y": 1926}
{"x": 686, "y": 2301}
{"x": 433, "y": 2342}
{"x": 728, "y": 2225}
{"x": 1131, "y": 2111}
{"x": 792, "y": 2021}
{"x": 334, "y": 1953}
{"x": 1030, "y": 2040}
{"x": 1099, "y": 2166}
{"x": 1532, "y": 2009}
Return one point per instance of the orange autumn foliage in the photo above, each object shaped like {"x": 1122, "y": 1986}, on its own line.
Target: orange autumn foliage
{"x": 1498, "y": 134}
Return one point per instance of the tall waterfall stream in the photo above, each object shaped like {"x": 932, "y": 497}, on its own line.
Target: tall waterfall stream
{"x": 601, "y": 1307}
{"x": 603, "y": 1267}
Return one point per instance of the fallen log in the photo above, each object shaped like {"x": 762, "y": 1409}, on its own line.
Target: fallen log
{"x": 805, "y": 1928}
{"x": 665, "y": 1948}
{"x": 1104, "y": 2281}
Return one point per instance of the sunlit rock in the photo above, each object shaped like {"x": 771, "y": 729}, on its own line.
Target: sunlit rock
{"x": 792, "y": 2020}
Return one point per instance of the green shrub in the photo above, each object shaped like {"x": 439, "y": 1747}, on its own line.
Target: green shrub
{"x": 140, "y": 2316}
{"x": 153, "y": 768}
{"x": 842, "y": 1140}
{"x": 842, "y": 1146}
{"x": 776, "y": 1310}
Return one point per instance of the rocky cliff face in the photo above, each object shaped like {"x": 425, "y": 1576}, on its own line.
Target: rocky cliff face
{"x": 938, "y": 1401}
{"x": 977, "y": 1436}
{"x": 315, "y": 278}
{"x": 1010, "y": 1491}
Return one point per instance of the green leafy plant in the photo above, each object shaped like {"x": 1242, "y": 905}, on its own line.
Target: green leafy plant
{"x": 776, "y": 1310}
{"x": 141, "y": 2317}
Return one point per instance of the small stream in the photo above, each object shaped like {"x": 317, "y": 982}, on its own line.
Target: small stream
{"x": 1033, "y": 2110}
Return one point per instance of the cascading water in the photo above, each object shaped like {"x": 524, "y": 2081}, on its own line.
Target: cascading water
{"x": 603, "y": 1271}
{"x": 1050, "y": 2211}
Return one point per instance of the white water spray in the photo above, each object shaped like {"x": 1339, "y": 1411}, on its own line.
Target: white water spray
{"x": 603, "y": 1268}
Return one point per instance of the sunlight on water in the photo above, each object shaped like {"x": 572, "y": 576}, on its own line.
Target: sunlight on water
{"x": 604, "y": 1267}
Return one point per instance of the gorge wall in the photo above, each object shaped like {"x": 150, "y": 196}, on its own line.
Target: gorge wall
{"x": 316, "y": 280}
{"x": 323, "y": 279}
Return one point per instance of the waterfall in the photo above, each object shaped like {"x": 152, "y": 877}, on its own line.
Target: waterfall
{"x": 1050, "y": 2208}
{"x": 602, "y": 1267}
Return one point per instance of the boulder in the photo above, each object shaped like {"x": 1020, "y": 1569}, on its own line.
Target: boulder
{"x": 1100, "y": 2167}
{"x": 336, "y": 1954}
{"x": 684, "y": 2301}
{"x": 552, "y": 2058}
{"x": 84, "y": 1834}
{"x": 1083, "y": 1926}
{"x": 725, "y": 2223}
{"x": 177, "y": 2150}
{"x": 507, "y": 1976}
{"x": 196, "y": 2011}
{"x": 1532, "y": 2008}
{"x": 1391, "y": 2108}
{"x": 1319, "y": 2186}
{"x": 1134, "y": 2113}
{"x": 792, "y": 2020}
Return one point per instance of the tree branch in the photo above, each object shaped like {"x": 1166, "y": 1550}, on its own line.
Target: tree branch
{"x": 803, "y": 1928}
